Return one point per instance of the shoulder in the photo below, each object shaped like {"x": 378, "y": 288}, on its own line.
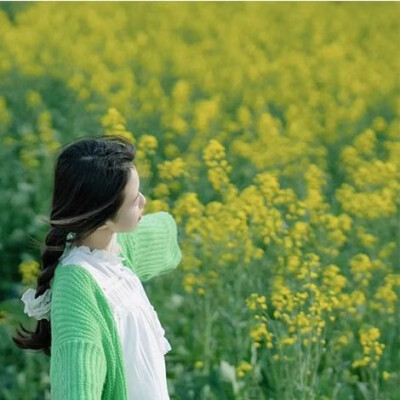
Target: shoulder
{"x": 71, "y": 277}
{"x": 77, "y": 304}
{"x": 73, "y": 287}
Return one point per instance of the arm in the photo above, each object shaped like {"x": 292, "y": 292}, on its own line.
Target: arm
{"x": 77, "y": 371}
{"x": 77, "y": 363}
{"x": 152, "y": 248}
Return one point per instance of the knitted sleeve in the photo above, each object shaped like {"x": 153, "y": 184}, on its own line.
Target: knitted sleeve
{"x": 77, "y": 362}
{"x": 152, "y": 248}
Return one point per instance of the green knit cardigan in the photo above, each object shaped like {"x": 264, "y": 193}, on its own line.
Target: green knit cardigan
{"x": 86, "y": 356}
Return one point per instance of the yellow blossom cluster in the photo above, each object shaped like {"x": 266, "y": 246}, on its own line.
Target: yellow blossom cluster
{"x": 370, "y": 205}
{"x": 332, "y": 279}
{"x": 372, "y": 349}
{"x": 161, "y": 190}
{"x": 114, "y": 124}
{"x": 341, "y": 340}
{"x": 171, "y": 169}
{"x": 242, "y": 368}
{"x": 29, "y": 270}
{"x": 373, "y": 183}
{"x": 218, "y": 167}
{"x": 204, "y": 112}
{"x": 197, "y": 282}
{"x": 188, "y": 205}
{"x": 147, "y": 144}
{"x": 385, "y": 296}
{"x": 259, "y": 333}
{"x": 362, "y": 268}
{"x": 315, "y": 181}
{"x": 255, "y": 301}
{"x": 365, "y": 238}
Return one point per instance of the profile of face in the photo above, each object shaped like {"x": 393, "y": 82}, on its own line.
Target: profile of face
{"x": 131, "y": 210}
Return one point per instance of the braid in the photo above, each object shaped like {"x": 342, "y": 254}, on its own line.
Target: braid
{"x": 53, "y": 249}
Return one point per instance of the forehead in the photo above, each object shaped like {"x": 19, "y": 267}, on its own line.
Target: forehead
{"x": 133, "y": 181}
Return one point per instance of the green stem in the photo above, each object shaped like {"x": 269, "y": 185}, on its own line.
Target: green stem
{"x": 207, "y": 333}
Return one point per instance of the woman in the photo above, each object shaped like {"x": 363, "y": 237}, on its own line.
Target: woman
{"x": 94, "y": 318}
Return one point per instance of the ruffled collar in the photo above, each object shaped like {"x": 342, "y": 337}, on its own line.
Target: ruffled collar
{"x": 100, "y": 254}
{"x": 112, "y": 256}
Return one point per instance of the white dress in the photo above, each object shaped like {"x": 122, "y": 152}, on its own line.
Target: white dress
{"x": 141, "y": 335}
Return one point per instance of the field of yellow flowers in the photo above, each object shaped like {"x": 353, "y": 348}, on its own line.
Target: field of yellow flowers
{"x": 271, "y": 132}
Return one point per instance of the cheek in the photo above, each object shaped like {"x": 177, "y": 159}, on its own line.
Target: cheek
{"x": 128, "y": 216}
{"x": 134, "y": 212}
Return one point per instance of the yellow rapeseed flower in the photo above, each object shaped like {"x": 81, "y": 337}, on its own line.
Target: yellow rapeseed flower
{"x": 29, "y": 270}
{"x": 242, "y": 368}
{"x": 172, "y": 169}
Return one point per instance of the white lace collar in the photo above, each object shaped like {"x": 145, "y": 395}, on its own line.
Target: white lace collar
{"x": 99, "y": 254}
{"x": 112, "y": 256}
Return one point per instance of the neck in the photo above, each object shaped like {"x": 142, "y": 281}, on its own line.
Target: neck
{"x": 102, "y": 240}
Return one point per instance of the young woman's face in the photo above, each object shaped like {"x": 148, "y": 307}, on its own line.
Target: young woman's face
{"x": 131, "y": 210}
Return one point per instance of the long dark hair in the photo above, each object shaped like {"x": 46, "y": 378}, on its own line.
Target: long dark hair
{"x": 89, "y": 179}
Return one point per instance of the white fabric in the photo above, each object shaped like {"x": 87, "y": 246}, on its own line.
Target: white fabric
{"x": 141, "y": 334}
{"x": 38, "y": 308}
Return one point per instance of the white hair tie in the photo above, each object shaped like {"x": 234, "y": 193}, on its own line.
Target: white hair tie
{"x": 38, "y": 308}
{"x": 71, "y": 235}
